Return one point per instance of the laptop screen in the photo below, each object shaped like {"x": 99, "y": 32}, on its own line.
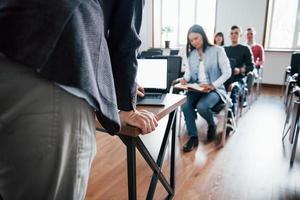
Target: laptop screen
{"x": 152, "y": 73}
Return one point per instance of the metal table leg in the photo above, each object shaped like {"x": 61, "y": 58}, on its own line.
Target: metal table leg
{"x": 130, "y": 143}
{"x": 160, "y": 158}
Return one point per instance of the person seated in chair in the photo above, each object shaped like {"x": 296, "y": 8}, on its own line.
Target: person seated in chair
{"x": 208, "y": 66}
{"x": 257, "y": 49}
{"x": 219, "y": 39}
{"x": 241, "y": 62}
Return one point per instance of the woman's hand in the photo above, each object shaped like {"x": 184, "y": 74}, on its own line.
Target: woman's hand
{"x": 207, "y": 87}
{"x": 183, "y": 81}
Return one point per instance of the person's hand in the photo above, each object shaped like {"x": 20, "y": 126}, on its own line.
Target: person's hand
{"x": 242, "y": 70}
{"x": 183, "y": 81}
{"x": 144, "y": 120}
{"x": 207, "y": 87}
{"x": 140, "y": 91}
{"x": 239, "y": 70}
{"x": 236, "y": 71}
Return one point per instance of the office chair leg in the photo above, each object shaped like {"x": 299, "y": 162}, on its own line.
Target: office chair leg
{"x": 288, "y": 95}
{"x": 241, "y": 102}
{"x": 179, "y": 125}
{"x": 287, "y": 120}
{"x": 223, "y": 139}
{"x": 234, "y": 123}
{"x": 257, "y": 89}
{"x": 284, "y": 134}
{"x": 293, "y": 127}
{"x": 285, "y": 95}
{"x": 294, "y": 146}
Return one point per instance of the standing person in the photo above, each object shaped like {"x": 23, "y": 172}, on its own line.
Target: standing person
{"x": 63, "y": 61}
{"x": 241, "y": 62}
{"x": 219, "y": 39}
{"x": 208, "y": 66}
{"x": 257, "y": 49}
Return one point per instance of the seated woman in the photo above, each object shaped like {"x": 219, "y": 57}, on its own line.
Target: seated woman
{"x": 219, "y": 39}
{"x": 208, "y": 66}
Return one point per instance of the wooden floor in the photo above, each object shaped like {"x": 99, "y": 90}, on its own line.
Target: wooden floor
{"x": 254, "y": 164}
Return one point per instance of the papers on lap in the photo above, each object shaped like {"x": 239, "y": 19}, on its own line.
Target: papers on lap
{"x": 191, "y": 86}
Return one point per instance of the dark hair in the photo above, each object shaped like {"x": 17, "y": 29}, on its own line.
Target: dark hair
{"x": 236, "y": 27}
{"x": 251, "y": 29}
{"x": 196, "y": 29}
{"x": 219, "y": 34}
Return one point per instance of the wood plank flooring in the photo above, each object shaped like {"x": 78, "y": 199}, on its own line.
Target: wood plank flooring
{"x": 254, "y": 164}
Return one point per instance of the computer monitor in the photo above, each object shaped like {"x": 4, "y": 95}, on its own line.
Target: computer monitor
{"x": 152, "y": 73}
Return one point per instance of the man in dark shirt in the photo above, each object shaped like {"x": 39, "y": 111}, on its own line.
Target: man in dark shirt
{"x": 241, "y": 62}
{"x": 62, "y": 62}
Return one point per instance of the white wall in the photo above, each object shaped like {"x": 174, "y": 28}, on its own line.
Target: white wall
{"x": 245, "y": 13}
{"x": 275, "y": 65}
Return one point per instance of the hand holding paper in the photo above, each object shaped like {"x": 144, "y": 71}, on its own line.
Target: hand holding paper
{"x": 190, "y": 86}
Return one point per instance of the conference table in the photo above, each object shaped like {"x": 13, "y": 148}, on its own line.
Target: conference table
{"x": 130, "y": 136}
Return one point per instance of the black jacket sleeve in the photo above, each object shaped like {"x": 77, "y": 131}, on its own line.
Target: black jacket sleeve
{"x": 123, "y": 25}
{"x": 248, "y": 59}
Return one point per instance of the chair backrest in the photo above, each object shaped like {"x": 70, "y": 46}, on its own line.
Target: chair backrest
{"x": 295, "y": 65}
{"x": 149, "y": 54}
{"x": 174, "y": 52}
{"x": 174, "y": 68}
{"x": 155, "y": 50}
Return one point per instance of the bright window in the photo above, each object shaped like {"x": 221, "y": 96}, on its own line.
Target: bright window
{"x": 178, "y": 16}
{"x": 283, "y": 27}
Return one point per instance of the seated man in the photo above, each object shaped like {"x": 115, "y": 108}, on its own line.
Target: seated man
{"x": 257, "y": 49}
{"x": 241, "y": 63}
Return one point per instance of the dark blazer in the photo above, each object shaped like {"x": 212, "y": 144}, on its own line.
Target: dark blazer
{"x": 88, "y": 44}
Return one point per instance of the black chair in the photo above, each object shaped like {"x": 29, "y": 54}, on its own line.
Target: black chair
{"x": 295, "y": 63}
{"x": 290, "y": 83}
{"x": 150, "y": 54}
{"x": 155, "y": 50}
{"x": 287, "y": 74}
{"x": 289, "y": 108}
{"x": 174, "y": 52}
{"x": 174, "y": 71}
{"x": 294, "y": 125}
{"x": 290, "y": 71}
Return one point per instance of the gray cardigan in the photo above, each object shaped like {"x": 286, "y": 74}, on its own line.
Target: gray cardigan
{"x": 217, "y": 68}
